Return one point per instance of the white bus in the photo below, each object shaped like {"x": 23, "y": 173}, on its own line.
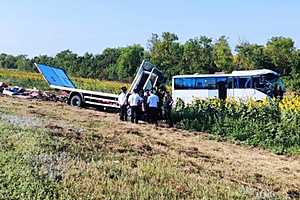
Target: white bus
{"x": 256, "y": 84}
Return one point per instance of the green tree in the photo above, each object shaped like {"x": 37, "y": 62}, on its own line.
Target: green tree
{"x": 166, "y": 53}
{"x": 23, "y": 63}
{"x": 296, "y": 67}
{"x": 43, "y": 59}
{"x": 152, "y": 41}
{"x": 223, "y": 58}
{"x": 3, "y": 60}
{"x": 106, "y": 63}
{"x": 250, "y": 56}
{"x": 127, "y": 63}
{"x": 7, "y": 61}
{"x": 68, "y": 60}
{"x": 198, "y": 55}
{"x": 280, "y": 51}
{"x": 86, "y": 65}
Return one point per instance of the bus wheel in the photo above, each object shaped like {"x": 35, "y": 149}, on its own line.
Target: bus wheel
{"x": 76, "y": 101}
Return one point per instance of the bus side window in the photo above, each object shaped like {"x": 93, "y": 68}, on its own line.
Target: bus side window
{"x": 200, "y": 83}
{"x": 205, "y": 83}
{"x": 236, "y": 83}
{"x": 210, "y": 83}
{"x": 230, "y": 82}
{"x": 189, "y": 83}
{"x": 222, "y": 81}
{"x": 185, "y": 83}
{"x": 242, "y": 82}
{"x": 245, "y": 82}
{"x": 178, "y": 83}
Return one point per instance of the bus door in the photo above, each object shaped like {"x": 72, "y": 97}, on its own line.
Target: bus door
{"x": 221, "y": 83}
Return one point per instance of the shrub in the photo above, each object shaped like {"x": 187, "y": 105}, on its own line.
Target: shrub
{"x": 272, "y": 124}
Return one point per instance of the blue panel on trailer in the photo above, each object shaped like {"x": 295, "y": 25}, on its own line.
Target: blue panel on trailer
{"x": 55, "y": 76}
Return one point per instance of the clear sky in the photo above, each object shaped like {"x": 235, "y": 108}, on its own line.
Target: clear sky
{"x": 35, "y": 27}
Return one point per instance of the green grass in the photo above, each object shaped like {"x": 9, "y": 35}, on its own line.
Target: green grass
{"x": 37, "y": 165}
{"x": 40, "y": 163}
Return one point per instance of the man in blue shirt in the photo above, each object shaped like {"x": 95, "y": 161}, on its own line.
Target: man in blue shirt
{"x": 152, "y": 102}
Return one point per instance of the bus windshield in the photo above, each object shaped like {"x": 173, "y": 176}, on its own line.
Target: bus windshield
{"x": 269, "y": 84}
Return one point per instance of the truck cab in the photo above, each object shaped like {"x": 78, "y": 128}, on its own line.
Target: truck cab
{"x": 147, "y": 77}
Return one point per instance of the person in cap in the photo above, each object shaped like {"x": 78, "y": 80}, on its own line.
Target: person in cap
{"x": 135, "y": 101}
{"x": 152, "y": 102}
{"x": 122, "y": 100}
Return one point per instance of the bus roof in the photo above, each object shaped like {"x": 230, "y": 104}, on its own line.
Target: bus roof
{"x": 234, "y": 73}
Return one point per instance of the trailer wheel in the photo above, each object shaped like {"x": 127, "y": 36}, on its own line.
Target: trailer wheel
{"x": 129, "y": 113}
{"x": 76, "y": 101}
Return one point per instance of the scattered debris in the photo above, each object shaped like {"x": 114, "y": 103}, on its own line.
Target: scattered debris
{"x": 2, "y": 86}
{"x": 23, "y": 93}
{"x": 13, "y": 90}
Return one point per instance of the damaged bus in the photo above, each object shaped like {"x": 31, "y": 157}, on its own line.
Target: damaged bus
{"x": 255, "y": 84}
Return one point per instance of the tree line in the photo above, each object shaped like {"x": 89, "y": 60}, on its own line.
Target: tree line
{"x": 197, "y": 55}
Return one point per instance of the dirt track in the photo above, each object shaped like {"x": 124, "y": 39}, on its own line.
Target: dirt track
{"x": 234, "y": 163}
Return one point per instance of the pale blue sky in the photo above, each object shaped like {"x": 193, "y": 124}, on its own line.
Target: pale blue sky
{"x": 37, "y": 27}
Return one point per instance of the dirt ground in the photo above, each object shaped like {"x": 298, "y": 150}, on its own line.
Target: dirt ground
{"x": 251, "y": 167}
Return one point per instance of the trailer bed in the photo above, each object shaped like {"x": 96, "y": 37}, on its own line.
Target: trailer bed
{"x": 147, "y": 77}
{"x": 57, "y": 78}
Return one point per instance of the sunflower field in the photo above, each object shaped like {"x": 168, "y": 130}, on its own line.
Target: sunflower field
{"x": 35, "y": 80}
{"x": 272, "y": 124}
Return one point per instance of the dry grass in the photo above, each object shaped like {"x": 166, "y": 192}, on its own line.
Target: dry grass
{"x": 100, "y": 157}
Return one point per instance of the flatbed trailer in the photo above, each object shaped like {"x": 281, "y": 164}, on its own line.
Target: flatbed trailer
{"x": 147, "y": 77}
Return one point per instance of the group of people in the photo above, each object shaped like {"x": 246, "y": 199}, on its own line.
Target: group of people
{"x": 149, "y": 105}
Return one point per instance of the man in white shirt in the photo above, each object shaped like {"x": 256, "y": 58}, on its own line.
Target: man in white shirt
{"x": 135, "y": 101}
{"x": 152, "y": 102}
{"x": 122, "y": 100}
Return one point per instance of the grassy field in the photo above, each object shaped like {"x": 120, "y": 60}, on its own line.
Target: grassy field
{"x": 31, "y": 80}
{"x": 54, "y": 151}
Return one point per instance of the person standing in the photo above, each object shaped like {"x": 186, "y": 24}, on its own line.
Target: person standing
{"x": 122, "y": 100}
{"x": 134, "y": 103}
{"x": 145, "y": 108}
{"x": 160, "y": 95}
{"x": 280, "y": 92}
{"x": 167, "y": 108}
{"x": 152, "y": 102}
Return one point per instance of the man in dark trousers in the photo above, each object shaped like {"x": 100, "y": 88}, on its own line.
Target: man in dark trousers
{"x": 122, "y": 100}
{"x": 152, "y": 102}
{"x": 167, "y": 108}
{"x": 135, "y": 101}
{"x": 145, "y": 106}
